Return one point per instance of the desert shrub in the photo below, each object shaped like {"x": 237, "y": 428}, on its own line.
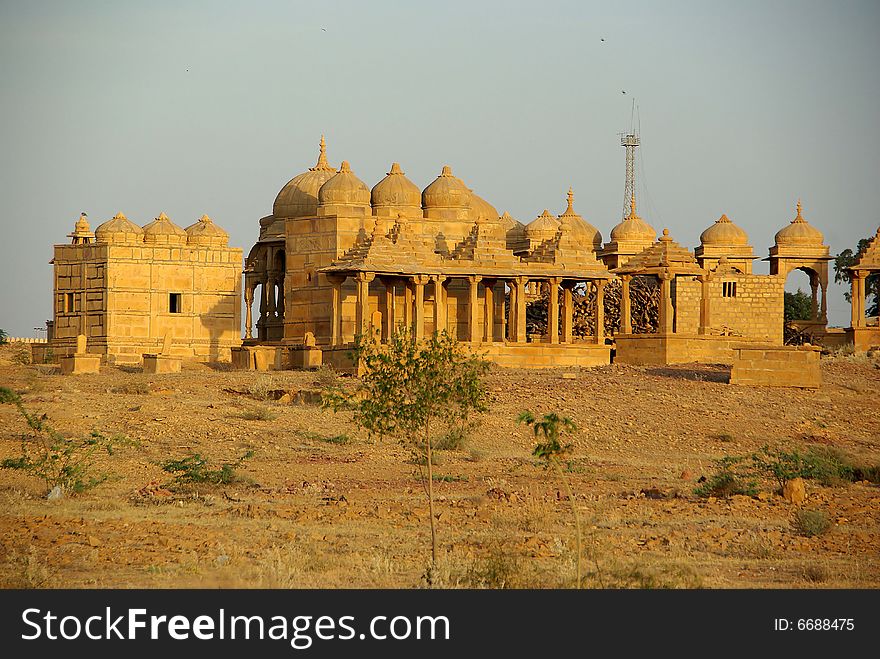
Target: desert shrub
{"x": 59, "y": 461}
{"x": 336, "y": 439}
{"x": 3, "y": 337}
{"x": 732, "y": 476}
{"x": 498, "y": 571}
{"x": 325, "y": 376}
{"x": 815, "y": 572}
{"x": 811, "y": 522}
{"x": 825, "y": 466}
{"x": 195, "y": 469}
{"x": 263, "y": 386}
{"x": 455, "y": 436}
{"x": 257, "y": 414}
{"x": 21, "y": 354}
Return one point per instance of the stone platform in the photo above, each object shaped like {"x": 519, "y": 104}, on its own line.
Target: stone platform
{"x": 777, "y": 366}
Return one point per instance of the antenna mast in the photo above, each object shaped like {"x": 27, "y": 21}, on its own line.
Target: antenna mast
{"x": 630, "y": 141}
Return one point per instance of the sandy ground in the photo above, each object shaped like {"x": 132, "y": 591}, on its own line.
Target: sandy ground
{"x": 311, "y": 512}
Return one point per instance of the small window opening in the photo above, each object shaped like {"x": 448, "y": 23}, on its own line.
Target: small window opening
{"x": 174, "y": 303}
{"x": 69, "y": 301}
{"x": 728, "y": 289}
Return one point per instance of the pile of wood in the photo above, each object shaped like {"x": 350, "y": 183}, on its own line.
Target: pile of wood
{"x": 644, "y": 302}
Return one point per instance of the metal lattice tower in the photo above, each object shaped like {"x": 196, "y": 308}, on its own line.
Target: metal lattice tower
{"x": 630, "y": 141}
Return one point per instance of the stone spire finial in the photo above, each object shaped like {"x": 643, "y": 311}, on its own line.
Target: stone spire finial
{"x": 570, "y": 196}
{"x": 799, "y": 218}
{"x": 665, "y": 237}
{"x": 162, "y": 216}
{"x": 632, "y": 207}
{"x": 395, "y": 169}
{"x": 447, "y": 171}
{"x": 205, "y": 219}
{"x": 345, "y": 168}
{"x": 724, "y": 219}
{"x": 323, "y": 165}
{"x": 120, "y": 216}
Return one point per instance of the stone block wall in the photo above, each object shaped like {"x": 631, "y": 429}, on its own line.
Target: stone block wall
{"x": 756, "y": 311}
{"x": 777, "y": 366}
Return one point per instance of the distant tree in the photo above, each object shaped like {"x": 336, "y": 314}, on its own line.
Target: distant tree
{"x": 411, "y": 388}
{"x": 798, "y": 306}
{"x": 3, "y": 336}
{"x": 846, "y": 259}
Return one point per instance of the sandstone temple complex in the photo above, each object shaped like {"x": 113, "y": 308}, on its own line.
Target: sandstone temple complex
{"x": 337, "y": 259}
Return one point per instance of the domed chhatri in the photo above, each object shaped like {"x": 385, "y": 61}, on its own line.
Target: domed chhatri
{"x": 481, "y": 210}
{"x": 344, "y": 189}
{"x": 799, "y": 233}
{"x": 633, "y": 228}
{"x": 205, "y": 233}
{"x": 577, "y": 229}
{"x": 396, "y": 193}
{"x": 82, "y": 232}
{"x": 542, "y": 228}
{"x": 724, "y": 232}
{"x": 163, "y": 231}
{"x": 299, "y": 197}
{"x": 119, "y": 230}
{"x": 724, "y": 243}
{"x": 446, "y": 192}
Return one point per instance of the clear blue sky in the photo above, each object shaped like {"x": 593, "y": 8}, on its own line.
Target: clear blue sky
{"x": 210, "y": 107}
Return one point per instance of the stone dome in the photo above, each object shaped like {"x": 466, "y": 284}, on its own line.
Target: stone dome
{"x": 800, "y": 233}
{"x": 299, "y": 198}
{"x": 724, "y": 232}
{"x": 344, "y": 189}
{"x": 544, "y": 227}
{"x": 446, "y": 191}
{"x": 511, "y": 224}
{"x": 577, "y": 228}
{"x": 633, "y": 228}
{"x": 396, "y": 190}
{"x": 162, "y": 231}
{"x": 206, "y": 233}
{"x": 119, "y": 230}
{"x": 481, "y": 210}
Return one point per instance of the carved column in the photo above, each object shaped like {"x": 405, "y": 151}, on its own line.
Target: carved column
{"x": 553, "y": 310}
{"x": 362, "y": 316}
{"x": 521, "y": 283}
{"x": 439, "y": 303}
{"x": 279, "y": 282}
{"x": 858, "y": 299}
{"x": 489, "y": 311}
{"x": 814, "y": 287}
{"x": 625, "y": 306}
{"x": 600, "y": 311}
{"x": 419, "y": 282}
{"x": 388, "y": 320}
{"x": 511, "y": 312}
{"x": 336, "y": 310}
{"x": 270, "y": 298}
{"x": 474, "y": 333}
{"x": 667, "y": 313}
{"x": 408, "y": 305}
{"x": 823, "y": 313}
{"x": 567, "y": 313}
{"x": 248, "y": 312}
{"x": 705, "y": 309}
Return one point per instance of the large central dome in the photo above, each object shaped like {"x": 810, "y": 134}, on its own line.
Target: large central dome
{"x": 299, "y": 198}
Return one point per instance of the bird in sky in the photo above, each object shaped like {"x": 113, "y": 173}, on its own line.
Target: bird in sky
{"x": 602, "y": 39}
{"x": 623, "y": 91}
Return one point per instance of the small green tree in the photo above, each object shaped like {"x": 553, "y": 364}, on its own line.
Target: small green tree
{"x": 846, "y": 259}
{"x": 67, "y": 462}
{"x": 549, "y": 451}
{"x": 3, "y": 337}
{"x": 409, "y": 389}
{"x": 798, "y": 306}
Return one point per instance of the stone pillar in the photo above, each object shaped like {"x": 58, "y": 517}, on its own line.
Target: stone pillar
{"x": 248, "y": 312}
{"x": 489, "y": 311}
{"x": 474, "y": 330}
{"x": 667, "y": 313}
{"x": 408, "y": 305}
{"x": 388, "y": 322}
{"x": 439, "y": 303}
{"x": 279, "y": 282}
{"x": 362, "y": 317}
{"x": 625, "y": 306}
{"x": 814, "y": 287}
{"x": 600, "y": 311}
{"x": 511, "y": 312}
{"x": 567, "y": 313}
{"x": 336, "y": 310}
{"x": 521, "y": 283}
{"x": 270, "y": 298}
{"x": 858, "y": 299}
{"x": 419, "y": 282}
{"x": 705, "y": 308}
{"x": 553, "y": 310}
{"x": 823, "y": 310}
